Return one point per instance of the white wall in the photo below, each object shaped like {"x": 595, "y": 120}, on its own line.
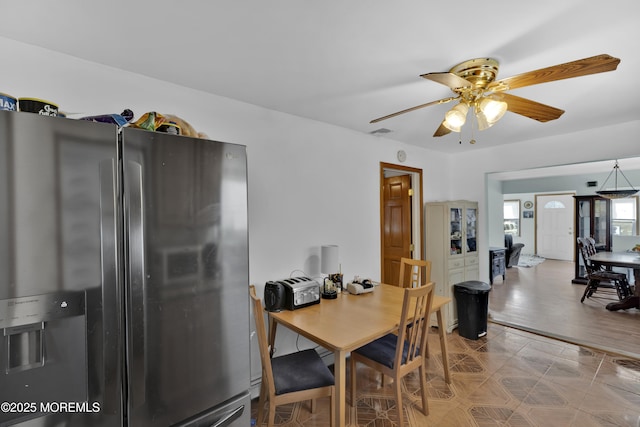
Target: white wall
{"x": 309, "y": 183}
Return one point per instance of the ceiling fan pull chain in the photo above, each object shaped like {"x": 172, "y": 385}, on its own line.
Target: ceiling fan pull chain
{"x": 472, "y": 140}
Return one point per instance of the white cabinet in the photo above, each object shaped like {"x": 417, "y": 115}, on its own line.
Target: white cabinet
{"x": 451, "y": 246}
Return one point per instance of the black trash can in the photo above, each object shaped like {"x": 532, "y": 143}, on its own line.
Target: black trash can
{"x": 472, "y": 302}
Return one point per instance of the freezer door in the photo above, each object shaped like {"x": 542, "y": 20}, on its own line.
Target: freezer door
{"x": 186, "y": 275}
{"x": 59, "y": 312}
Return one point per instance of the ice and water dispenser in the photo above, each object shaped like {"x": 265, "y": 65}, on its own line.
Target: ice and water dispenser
{"x": 43, "y": 350}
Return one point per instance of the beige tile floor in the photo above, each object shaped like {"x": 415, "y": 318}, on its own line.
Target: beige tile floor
{"x": 507, "y": 378}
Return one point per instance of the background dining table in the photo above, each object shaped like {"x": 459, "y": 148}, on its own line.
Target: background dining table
{"x": 624, "y": 260}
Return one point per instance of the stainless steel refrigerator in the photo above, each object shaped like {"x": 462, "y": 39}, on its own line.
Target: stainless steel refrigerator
{"x": 123, "y": 277}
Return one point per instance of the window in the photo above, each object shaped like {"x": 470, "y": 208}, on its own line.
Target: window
{"x": 554, "y": 204}
{"x": 624, "y": 220}
{"x": 512, "y": 217}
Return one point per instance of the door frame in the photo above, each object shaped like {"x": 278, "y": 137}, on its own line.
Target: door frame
{"x": 417, "y": 209}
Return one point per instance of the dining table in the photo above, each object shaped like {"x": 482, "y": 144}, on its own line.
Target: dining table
{"x": 350, "y": 321}
{"x": 624, "y": 260}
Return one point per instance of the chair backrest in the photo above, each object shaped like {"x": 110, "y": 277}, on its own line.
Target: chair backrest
{"x": 587, "y": 246}
{"x": 416, "y": 308}
{"x": 263, "y": 343}
{"x": 415, "y": 275}
{"x": 508, "y": 241}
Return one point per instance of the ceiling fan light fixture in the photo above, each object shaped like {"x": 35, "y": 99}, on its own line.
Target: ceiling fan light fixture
{"x": 483, "y": 123}
{"x": 492, "y": 109}
{"x": 456, "y": 117}
{"x": 474, "y": 84}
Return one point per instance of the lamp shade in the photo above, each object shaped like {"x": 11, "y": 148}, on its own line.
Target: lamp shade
{"x": 493, "y": 110}
{"x": 489, "y": 111}
{"x": 455, "y": 118}
{"x": 329, "y": 259}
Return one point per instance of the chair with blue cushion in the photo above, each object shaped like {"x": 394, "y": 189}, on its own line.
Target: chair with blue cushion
{"x": 398, "y": 354}
{"x": 292, "y": 377}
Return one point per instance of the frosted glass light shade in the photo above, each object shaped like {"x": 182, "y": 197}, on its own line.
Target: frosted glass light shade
{"x": 489, "y": 111}
{"x": 455, "y": 118}
{"x": 493, "y": 110}
{"x": 329, "y": 262}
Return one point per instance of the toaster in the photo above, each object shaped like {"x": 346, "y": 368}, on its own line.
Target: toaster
{"x": 273, "y": 296}
{"x": 291, "y": 293}
{"x": 300, "y": 292}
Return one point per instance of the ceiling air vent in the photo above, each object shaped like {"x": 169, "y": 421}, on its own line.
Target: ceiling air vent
{"x": 380, "y": 131}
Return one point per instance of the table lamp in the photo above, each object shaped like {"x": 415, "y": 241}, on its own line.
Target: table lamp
{"x": 329, "y": 265}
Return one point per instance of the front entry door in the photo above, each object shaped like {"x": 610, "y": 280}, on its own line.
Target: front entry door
{"x": 397, "y": 225}
{"x": 554, "y": 226}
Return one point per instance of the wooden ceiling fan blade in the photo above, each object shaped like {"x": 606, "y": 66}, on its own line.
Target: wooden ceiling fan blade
{"x": 442, "y": 130}
{"x": 532, "y": 109}
{"x": 579, "y": 68}
{"x": 448, "y": 79}
{"x": 417, "y": 107}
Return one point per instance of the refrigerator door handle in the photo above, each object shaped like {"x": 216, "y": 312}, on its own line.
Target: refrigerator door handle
{"x": 110, "y": 267}
{"x": 136, "y": 306}
{"x": 229, "y": 417}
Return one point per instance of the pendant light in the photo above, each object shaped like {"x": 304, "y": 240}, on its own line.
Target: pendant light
{"x": 616, "y": 194}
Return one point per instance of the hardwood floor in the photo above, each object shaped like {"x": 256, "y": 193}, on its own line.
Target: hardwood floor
{"x": 543, "y": 300}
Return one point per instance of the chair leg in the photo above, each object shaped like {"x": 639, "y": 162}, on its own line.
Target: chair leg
{"x": 272, "y": 414}
{"x": 261, "y": 401}
{"x": 398, "y": 390}
{"x": 592, "y": 286}
{"x": 586, "y": 291}
{"x": 313, "y": 406}
{"x": 423, "y": 385}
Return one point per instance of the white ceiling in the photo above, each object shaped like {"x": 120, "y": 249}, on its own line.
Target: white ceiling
{"x": 347, "y": 62}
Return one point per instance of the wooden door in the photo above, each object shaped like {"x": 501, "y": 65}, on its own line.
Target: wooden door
{"x": 396, "y": 236}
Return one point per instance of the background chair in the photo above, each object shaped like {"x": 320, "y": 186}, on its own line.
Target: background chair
{"x": 420, "y": 272}
{"x": 398, "y": 355}
{"x": 415, "y": 272}
{"x": 512, "y": 254}
{"x": 290, "y": 378}
{"x": 598, "y": 277}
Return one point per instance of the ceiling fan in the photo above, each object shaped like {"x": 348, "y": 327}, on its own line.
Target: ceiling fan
{"x": 474, "y": 85}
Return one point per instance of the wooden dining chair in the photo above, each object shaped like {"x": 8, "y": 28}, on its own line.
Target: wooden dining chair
{"x": 599, "y": 278}
{"x": 292, "y": 377}
{"x": 398, "y": 354}
{"x": 414, "y": 268}
{"x": 419, "y": 272}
